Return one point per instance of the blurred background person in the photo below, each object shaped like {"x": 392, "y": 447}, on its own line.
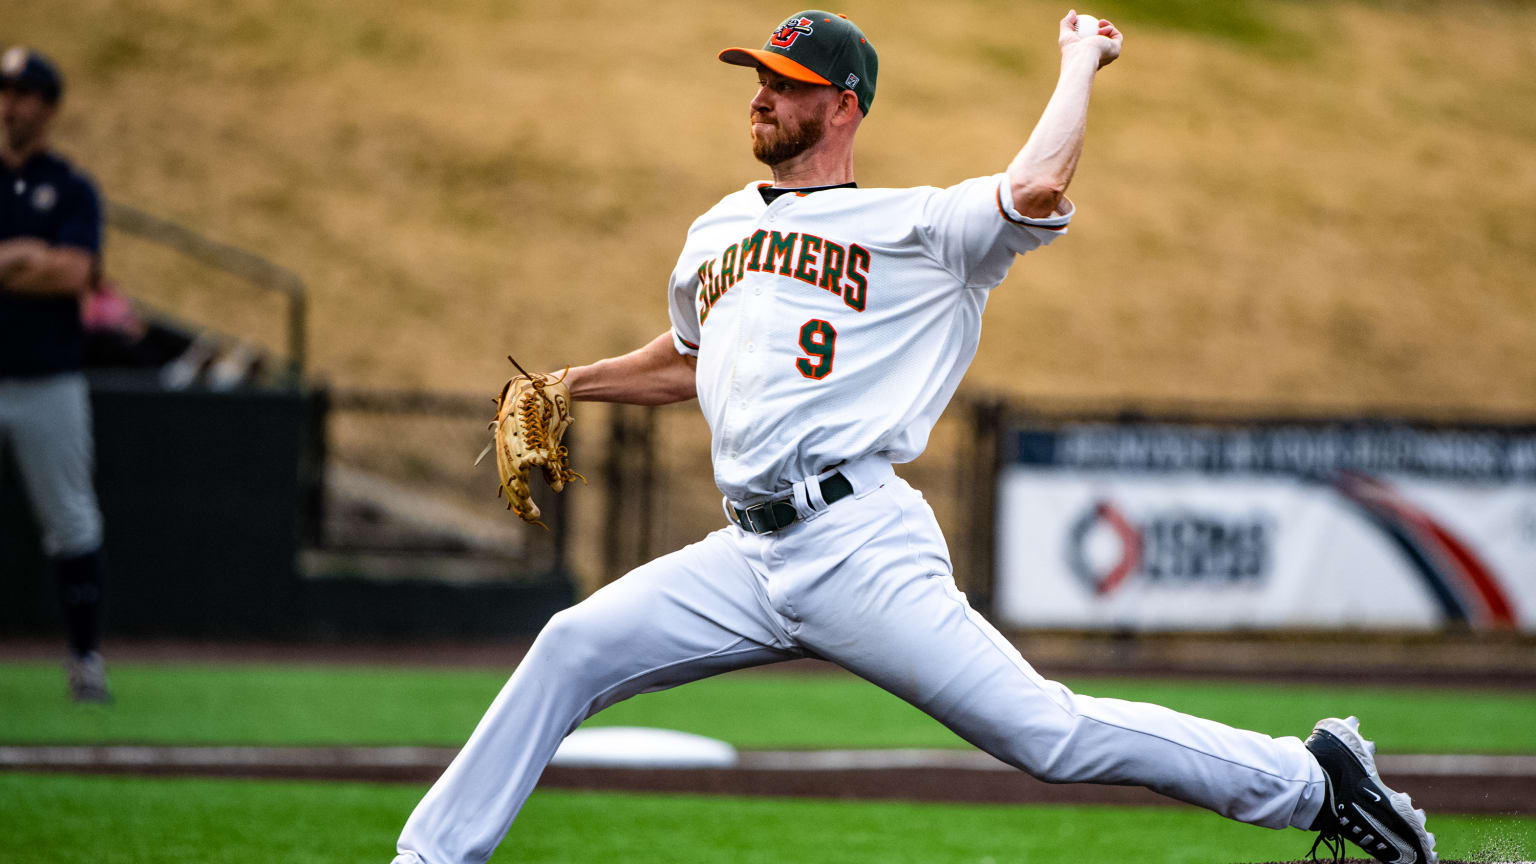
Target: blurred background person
{"x": 50, "y": 246}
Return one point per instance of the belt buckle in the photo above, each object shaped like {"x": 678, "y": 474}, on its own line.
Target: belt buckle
{"x": 750, "y": 518}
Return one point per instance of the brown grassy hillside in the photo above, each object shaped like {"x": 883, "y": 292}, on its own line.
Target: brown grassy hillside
{"x": 1317, "y": 204}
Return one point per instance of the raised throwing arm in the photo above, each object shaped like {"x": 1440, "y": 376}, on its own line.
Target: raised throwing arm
{"x": 1040, "y": 173}
{"x": 653, "y": 375}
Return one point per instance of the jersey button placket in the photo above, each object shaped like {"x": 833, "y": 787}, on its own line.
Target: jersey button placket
{"x": 758, "y": 322}
{"x": 756, "y": 314}
{"x": 736, "y": 400}
{"x": 748, "y": 373}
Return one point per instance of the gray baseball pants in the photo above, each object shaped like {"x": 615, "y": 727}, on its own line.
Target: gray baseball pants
{"x": 47, "y": 423}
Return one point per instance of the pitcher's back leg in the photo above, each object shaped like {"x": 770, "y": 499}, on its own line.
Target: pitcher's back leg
{"x": 689, "y": 615}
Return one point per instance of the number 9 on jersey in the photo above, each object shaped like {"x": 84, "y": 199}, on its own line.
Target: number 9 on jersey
{"x": 819, "y": 341}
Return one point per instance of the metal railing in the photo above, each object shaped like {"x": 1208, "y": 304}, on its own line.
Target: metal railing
{"x": 237, "y": 262}
{"x": 406, "y": 459}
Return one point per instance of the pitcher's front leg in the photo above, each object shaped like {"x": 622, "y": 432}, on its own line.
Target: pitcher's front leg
{"x": 890, "y": 613}
{"x": 680, "y": 618}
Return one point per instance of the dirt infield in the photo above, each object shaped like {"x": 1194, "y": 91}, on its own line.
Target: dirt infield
{"x": 1487, "y": 786}
{"x": 1438, "y": 794}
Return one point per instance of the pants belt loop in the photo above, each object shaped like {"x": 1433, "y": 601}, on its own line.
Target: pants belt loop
{"x": 813, "y": 493}
{"x": 799, "y": 495}
{"x": 807, "y": 495}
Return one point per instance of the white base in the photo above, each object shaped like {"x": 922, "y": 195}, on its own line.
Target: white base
{"x": 636, "y": 747}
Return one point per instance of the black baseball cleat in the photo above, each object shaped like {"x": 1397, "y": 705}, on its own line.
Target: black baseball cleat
{"x": 1359, "y": 807}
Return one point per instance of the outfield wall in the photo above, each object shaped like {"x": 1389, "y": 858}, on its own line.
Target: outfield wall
{"x": 1299, "y": 525}
{"x": 209, "y": 500}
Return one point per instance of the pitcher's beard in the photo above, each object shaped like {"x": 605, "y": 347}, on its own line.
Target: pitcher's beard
{"x": 783, "y": 145}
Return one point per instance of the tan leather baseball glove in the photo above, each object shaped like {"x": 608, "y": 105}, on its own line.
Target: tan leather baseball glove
{"x": 532, "y": 413}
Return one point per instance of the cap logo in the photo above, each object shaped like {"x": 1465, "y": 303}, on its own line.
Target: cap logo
{"x": 13, "y": 61}
{"x": 791, "y": 30}
{"x": 852, "y": 82}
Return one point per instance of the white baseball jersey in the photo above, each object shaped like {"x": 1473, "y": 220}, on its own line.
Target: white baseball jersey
{"x": 836, "y": 325}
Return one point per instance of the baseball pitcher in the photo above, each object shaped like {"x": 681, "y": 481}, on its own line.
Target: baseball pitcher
{"x": 823, "y": 327}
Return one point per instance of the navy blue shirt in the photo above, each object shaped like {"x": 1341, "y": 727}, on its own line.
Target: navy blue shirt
{"x": 51, "y": 201}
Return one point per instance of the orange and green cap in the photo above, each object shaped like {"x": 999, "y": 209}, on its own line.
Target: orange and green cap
{"x": 818, "y": 47}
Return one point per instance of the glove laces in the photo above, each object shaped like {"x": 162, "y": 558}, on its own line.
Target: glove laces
{"x": 533, "y": 413}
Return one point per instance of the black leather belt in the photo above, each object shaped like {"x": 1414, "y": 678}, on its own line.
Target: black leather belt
{"x": 771, "y": 516}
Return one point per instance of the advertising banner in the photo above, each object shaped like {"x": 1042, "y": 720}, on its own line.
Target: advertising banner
{"x": 1151, "y": 526}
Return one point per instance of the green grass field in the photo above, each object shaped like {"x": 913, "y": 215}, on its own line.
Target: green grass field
{"x": 64, "y": 818}
{"x": 100, "y": 820}
{"x": 258, "y": 704}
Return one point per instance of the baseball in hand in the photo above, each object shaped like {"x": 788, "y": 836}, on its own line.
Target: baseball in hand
{"x": 1087, "y": 25}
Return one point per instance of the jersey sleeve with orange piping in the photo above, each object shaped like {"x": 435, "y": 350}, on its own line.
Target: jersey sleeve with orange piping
{"x": 973, "y": 230}
{"x": 683, "y": 290}
{"x": 685, "y": 317}
{"x": 683, "y": 346}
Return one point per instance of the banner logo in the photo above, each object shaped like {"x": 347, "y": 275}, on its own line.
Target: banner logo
{"x": 1105, "y": 549}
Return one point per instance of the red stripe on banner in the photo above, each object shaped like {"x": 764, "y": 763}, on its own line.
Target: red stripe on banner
{"x": 1475, "y": 573}
{"x": 1475, "y": 577}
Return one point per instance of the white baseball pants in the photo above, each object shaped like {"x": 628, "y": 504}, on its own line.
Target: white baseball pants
{"x": 866, "y": 584}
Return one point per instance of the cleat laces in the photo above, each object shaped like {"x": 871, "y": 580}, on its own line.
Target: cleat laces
{"x": 1330, "y": 839}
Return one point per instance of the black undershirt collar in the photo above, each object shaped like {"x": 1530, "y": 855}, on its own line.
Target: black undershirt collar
{"x": 771, "y": 193}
